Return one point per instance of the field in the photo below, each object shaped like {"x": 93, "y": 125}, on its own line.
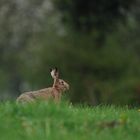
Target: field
{"x": 48, "y": 121}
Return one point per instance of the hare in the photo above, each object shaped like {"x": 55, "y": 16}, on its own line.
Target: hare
{"x": 54, "y": 92}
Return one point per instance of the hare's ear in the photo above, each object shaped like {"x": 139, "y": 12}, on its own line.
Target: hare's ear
{"x": 54, "y": 73}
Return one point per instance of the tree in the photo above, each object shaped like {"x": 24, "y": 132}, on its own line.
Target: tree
{"x": 93, "y": 14}
{"x": 18, "y": 21}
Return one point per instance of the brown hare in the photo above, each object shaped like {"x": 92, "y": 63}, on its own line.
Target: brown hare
{"x": 53, "y": 93}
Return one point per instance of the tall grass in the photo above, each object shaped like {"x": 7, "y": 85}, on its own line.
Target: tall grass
{"x": 48, "y": 121}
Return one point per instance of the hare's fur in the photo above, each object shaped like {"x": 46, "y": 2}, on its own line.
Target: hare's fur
{"x": 53, "y": 93}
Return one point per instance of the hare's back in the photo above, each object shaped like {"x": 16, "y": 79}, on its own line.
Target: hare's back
{"x": 33, "y": 95}
{"x": 43, "y": 93}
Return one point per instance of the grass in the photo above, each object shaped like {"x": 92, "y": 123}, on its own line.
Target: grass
{"x": 48, "y": 121}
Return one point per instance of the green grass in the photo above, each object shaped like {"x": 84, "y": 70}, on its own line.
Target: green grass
{"x": 48, "y": 121}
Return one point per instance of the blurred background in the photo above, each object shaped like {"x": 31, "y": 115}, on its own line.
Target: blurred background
{"x": 94, "y": 43}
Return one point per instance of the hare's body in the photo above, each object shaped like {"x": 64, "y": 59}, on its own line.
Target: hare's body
{"x": 53, "y": 93}
{"x": 43, "y": 94}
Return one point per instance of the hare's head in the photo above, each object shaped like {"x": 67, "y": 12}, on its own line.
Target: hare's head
{"x": 59, "y": 84}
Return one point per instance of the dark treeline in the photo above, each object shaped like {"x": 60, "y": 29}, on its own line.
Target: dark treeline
{"x": 94, "y": 43}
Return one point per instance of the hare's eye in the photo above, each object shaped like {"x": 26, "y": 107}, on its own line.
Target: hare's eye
{"x": 62, "y": 82}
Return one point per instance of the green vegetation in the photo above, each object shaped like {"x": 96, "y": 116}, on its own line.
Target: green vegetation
{"x": 94, "y": 43}
{"x": 50, "y": 121}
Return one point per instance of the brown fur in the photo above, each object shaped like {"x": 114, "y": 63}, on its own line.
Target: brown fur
{"x": 54, "y": 92}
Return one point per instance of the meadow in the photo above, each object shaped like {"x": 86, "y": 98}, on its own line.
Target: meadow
{"x": 49, "y": 121}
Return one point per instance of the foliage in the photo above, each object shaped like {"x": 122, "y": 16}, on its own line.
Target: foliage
{"x": 100, "y": 66}
{"x": 105, "y": 75}
{"x": 93, "y": 14}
